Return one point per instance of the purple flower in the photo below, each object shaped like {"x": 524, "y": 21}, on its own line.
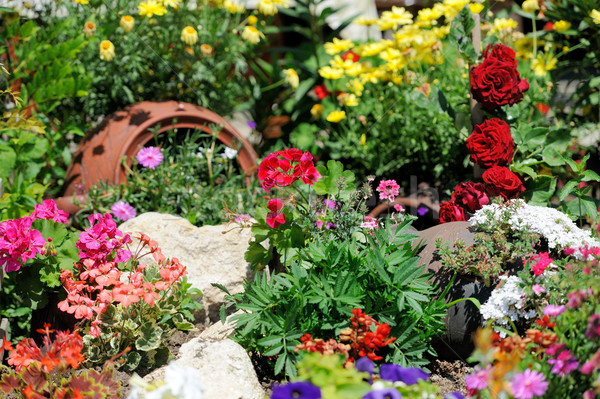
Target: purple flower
{"x": 409, "y": 376}
{"x": 150, "y": 157}
{"x": 123, "y": 210}
{"x": 329, "y": 203}
{"x": 528, "y": 384}
{"x": 251, "y": 124}
{"x": 479, "y": 380}
{"x": 554, "y": 310}
{"x": 296, "y": 390}
{"x": 365, "y": 365}
{"x": 593, "y": 326}
{"x": 386, "y": 393}
{"x": 454, "y": 395}
{"x": 422, "y": 210}
{"x": 564, "y": 363}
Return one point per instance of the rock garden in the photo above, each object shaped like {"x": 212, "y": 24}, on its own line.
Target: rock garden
{"x": 310, "y": 199}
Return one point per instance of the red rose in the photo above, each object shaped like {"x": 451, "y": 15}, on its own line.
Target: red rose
{"x": 501, "y": 181}
{"x": 451, "y": 212}
{"x": 470, "y": 195}
{"x": 496, "y": 81}
{"x": 491, "y": 143}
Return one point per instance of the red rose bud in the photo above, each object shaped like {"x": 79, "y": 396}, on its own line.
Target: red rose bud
{"x": 451, "y": 212}
{"x": 471, "y": 196}
{"x": 500, "y": 181}
{"x": 491, "y": 144}
{"x": 496, "y": 81}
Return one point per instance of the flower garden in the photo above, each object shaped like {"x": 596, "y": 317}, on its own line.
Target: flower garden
{"x": 382, "y": 194}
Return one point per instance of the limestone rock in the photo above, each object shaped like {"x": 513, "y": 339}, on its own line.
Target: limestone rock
{"x": 220, "y": 330}
{"x": 224, "y": 366}
{"x": 212, "y": 254}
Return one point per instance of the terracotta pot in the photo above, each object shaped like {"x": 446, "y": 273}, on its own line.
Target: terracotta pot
{"x": 463, "y": 318}
{"x": 124, "y": 133}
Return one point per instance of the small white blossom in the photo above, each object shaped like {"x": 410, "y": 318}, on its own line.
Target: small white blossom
{"x": 229, "y": 153}
{"x": 558, "y": 229}
{"x": 180, "y": 383}
{"x": 507, "y": 303}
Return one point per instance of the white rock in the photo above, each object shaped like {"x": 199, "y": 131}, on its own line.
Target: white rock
{"x": 212, "y": 254}
{"x": 224, "y": 366}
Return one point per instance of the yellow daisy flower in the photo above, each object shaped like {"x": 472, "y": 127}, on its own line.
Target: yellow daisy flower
{"x": 233, "y": 7}
{"x": 530, "y": 5}
{"x": 561, "y": 25}
{"x": 189, "y": 35}
{"x": 127, "y": 23}
{"x": 291, "y": 77}
{"x": 328, "y": 72}
{"x": 171, "y": 3}
{"x": 84, "y": 2}
{"x": 252, "y": 35}
{"x": 476, "y": 8}
{"x": 365, "y": 21}
{"x": 150, "y": 8}
{"x": 317, "y": 111}
{"x": 207, "y": 50}
{"x": 397, "y": 16}
{"x": 336, "y": 116}
{"x": 595, "y": 14}
{"x": 107, "y": 50}
{"x": 338, "y": 46}
{"x": 543, "y": 63}
{"x": 266, "y": 7}
{"x": 252, "y": 20}
{"x": 89, "y": 28}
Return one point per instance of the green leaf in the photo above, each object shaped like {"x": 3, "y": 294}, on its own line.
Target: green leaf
{"x": 9, "y": 158}
{"x": 552, "y": 157}
{"x": 541, "y": 190}
{"x": 590, "y": 175}
{"x": 567, "y": 189}
{"x": 150, "y": 335}
{"x": 271, "y": 340}
{"x": 331, "y": 176}
{"x": 460, "y": 34}
{"x": 132, "y": 361}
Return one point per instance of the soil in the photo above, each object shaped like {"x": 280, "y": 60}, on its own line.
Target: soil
{"x": 449, "y": 376}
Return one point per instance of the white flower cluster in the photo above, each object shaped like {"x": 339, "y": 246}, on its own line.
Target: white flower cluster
{"x": 558, "y": 229}
{"x": 180, "y": 383}
{"x": 507, "y": 303}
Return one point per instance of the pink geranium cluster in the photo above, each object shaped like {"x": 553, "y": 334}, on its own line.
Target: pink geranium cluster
{"x": 539, "y": 263}
{"x": 97, "y": 284}
{"x": 19, "y": 242}
{"x": 103, "y": 242}
{"x": 388, "y": 189}
{"x": 284, "y": 167}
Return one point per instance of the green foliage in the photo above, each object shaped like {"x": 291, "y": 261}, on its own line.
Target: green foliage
{"x": 460, "y": 34}
{"x": 329, "y": 278}
{"x": 194, "y": 180}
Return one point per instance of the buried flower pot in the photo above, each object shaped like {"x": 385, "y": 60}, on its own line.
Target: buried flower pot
{"x": 463, "y": 318}
{"x": 121, "y": 135}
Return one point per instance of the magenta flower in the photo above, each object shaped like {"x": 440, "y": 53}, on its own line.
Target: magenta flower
{"x": 592, "y": 364}
{"x": 542, "y": 261}
{"x": 528, "y": 384}
{"x": 479, "y": 380}
{"x": 49, "y": 211}
{"x": 103, "y": 241}
{"x": 150, "y": 157}
{"x": 19, "y": 243}
{"x": 123, "y": 210}
{"x": 593, "y": 326}
{"x": 388, "y": 189}
{"x": 275, "y": 217}
{"x": 554, "y": 310}
{"x": 564, "y": 363}
{"x": 398, "y": 208}
{"x": 370, "y": 223}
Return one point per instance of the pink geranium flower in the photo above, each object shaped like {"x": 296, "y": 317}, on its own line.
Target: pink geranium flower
{"x": 123, "y": 210}
{"x": 19, "y": 243}
{"x": 49, "y": 211}
{"x": 275, "y": 217}
{"x": 150, "y": 157}
{"x": 388, "y": 189}
{"x": 538, "y": 289}
{"x": 528, "y": 384}
{"x": 554, "y": 310}
{"x": 539, "y": 263}
{"x": 478, "y": 380}
{"x": 370, "y": 223}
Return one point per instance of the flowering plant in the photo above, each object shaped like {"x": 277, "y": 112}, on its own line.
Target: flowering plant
{"x": 48, "y": 372}
{"x": 125, "y": 305}
{"x": 178, "y": 175}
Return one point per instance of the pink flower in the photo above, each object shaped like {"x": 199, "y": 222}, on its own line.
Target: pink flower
{"x": 49, "y": 211}
{"x": 275, "y": 218}
{"x": 554, "y": 310}
{"x": 19, "y": 243}
{"x": 538, "y": 289}
{"x": 123, "y": 210}
{"x": 592, "y": 364}
{"x": 103, "y": 240}
{"x": 150, "y": 157}
{"x": 398, "y": 208}
{"x": 478, "y": 380}
{"x": 388, "y": 189}
{"x": 569, "y": 251}
{"x": 542, "y": 261}
{"x": 564, "y": 363}
{"x": 593, "y": 326}
{"x": 370, "y": 223}
{"x": 528, "y": 384}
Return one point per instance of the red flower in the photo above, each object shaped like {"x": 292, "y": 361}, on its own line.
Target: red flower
{"x": 275, "y": 218}
{"x": 501, "y": 181}
{"x": 321, "y": 91}
{"x": 451, "y": 212}
{"x": 543, "y": 108}
{"x": 496, "y": 81}
{"x": 352, "y": 55}
{"x": 491, "y": 144}
{"x": 470, "y": 195}
{"x": 278, "y": 169}
{"x": 549, "y": 26}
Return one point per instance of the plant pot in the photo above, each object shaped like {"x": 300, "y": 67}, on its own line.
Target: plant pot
{"x": 124, "y": 133}
{"x": 463, "y": 318}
